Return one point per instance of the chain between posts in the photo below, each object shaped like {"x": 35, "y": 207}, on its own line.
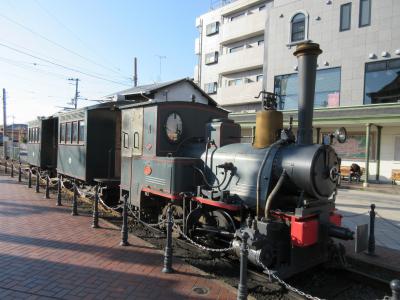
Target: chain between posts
{"x": 286, "y": 285}
{"x": 176, "y": 227}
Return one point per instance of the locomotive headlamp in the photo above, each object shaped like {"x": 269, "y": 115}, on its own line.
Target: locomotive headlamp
{"x": 341, "y": 135}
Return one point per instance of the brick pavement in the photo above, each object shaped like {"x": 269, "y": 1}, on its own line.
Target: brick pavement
{"x": 45, "y": 253}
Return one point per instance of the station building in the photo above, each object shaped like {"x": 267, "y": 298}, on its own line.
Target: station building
{"x": 245, "y": 46}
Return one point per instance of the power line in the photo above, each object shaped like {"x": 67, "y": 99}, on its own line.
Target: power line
{"x": 73, "y": 33}
{"x": 56, "y": 44}
{"x": 58, "y": 60}
{"x": 62, "y": 66}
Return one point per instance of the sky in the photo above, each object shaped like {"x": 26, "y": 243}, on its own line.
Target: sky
{"x": 45, "y": 42}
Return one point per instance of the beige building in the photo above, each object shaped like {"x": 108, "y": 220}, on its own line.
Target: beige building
{"x": 358, "y": 76}
{"x": 230, "y": 48}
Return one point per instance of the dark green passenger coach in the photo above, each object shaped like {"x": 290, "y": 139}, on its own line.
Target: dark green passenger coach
{"x": 89, "y": 142}
{"x": 42, "y": 143}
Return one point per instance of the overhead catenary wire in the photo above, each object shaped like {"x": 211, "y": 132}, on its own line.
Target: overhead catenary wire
{"x": 57, "y": 44}
{"x": 62, "y": 66}
{"x": 114, "y": 69}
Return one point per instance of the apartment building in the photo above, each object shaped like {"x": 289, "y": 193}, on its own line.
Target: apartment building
{"x": 230, "y": 48}
{"x": 358, "y": 74}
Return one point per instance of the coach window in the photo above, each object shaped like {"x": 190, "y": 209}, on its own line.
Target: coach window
{"x": 74, "y": 132}
{"x": 68, "y": 132}
{"x": 34, "y": 134}
{"x": 81, "y": 132}
{"x": 62, "y": 133}
{"x": 38, "y": 135}
{"x": 30, "y": 135}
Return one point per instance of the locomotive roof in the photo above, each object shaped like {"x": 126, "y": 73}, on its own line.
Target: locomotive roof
{"x": 151, "y": 88}
{"x": 98, "y": 106}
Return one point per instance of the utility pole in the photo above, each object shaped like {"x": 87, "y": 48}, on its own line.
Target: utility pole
{"x": 75, "y": 100}
{"x": 135, "y": 74}
{"x": 12, "y": 136}
{"x": 161, "y": 57}
{"x": 4, "y": 122}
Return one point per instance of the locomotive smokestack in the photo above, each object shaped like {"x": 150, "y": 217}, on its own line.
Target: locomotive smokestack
{"x": 306, "y": 54}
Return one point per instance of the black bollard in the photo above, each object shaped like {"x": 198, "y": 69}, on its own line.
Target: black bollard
{"x": 371, "y": 240}
{"x": 124, "y": 228}
{"x": 5, "y": 167}
{"x": 95, "y": 223}
{"x": 12, "y": 169}
{"x": 37, "y": 181}
{"x": 47, "y": 191}
{"x": 75, "y": 201}
{"x": 395, "y": 287}
{"x": 168, "y": 246}
{"x": 59, "y": 190}
{"x": 19, "y": 173}
{"x": 244, "y": 252}
{"x": 29, "y": 178}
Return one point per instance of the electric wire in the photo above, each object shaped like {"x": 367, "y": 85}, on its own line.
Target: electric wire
{"x": 114, "y": 69}
{"x": 62, "y": 66}
{"x": 54, "y": 43}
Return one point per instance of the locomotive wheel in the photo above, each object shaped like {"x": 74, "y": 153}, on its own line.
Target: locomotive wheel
{"x": 210, "y": 227}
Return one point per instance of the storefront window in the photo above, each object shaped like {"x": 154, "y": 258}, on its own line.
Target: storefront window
{"x": 327, "y": 89}
{"x": 382, "y": 82}
{"x": 355, "y": 146}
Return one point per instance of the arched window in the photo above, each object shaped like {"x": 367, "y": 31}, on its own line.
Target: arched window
{"x": 298, "y": 28}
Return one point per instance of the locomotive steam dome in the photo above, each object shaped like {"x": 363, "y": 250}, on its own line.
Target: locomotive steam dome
{"x": 312, "y": 168}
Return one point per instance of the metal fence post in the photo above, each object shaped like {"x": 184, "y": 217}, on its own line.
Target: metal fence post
{"x": 75, "y": 201}
{"x": 244, "y": 252}
{"x": 371, "y": 240}
{"x": 95, "y": 223}
{"x": 59, "y": 190}
{"x": 19, "y": 173}
{"x": 12, "y": 169}
{"x": 124, "y": 228}
{"x": 47, "y": 191}
{"x": 168, "y": 246}
{"x": 30, "y": 178}
{"x": 395, "y": 287}
{"x": 37, "y": 180}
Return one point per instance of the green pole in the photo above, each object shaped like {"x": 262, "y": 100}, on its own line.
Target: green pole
{"x": 367, "y": 143}
{"x": 378, "y": 153}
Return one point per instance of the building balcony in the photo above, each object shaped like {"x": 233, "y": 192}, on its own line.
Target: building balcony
{"x": 237, "y": 94}
{"x": 247, "y": 59}
{"x": 248, "y": 26}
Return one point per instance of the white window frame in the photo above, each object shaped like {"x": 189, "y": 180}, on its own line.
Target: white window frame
{"x": 306, "y": 38}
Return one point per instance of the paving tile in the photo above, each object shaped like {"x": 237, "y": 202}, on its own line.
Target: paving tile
{"x": 45, "y": 252}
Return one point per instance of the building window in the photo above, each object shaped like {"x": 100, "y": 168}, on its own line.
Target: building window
{"x": 345, "y": 17}
{"x": 259, "y": 77}
{"x": 212, "y": 28}
{"x": 210, "y": 88}
{"x": 81, "y": 131}
{"x": 211, "y": 58}
{"x": 382, "y": 82}
{"x": 327, "y": 89}
{"x": 62, "y": 133}
{"x": 365, "y": 13}
{"x": 236, "y": 49}
{"x": 298, "y": 27}
{"x": 236, "y": 81}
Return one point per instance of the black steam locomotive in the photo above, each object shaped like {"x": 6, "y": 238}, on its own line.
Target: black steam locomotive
{"x": 279, "y": 191}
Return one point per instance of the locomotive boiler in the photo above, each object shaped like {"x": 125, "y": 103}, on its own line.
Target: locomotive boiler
{"x": 279, "y": 191}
